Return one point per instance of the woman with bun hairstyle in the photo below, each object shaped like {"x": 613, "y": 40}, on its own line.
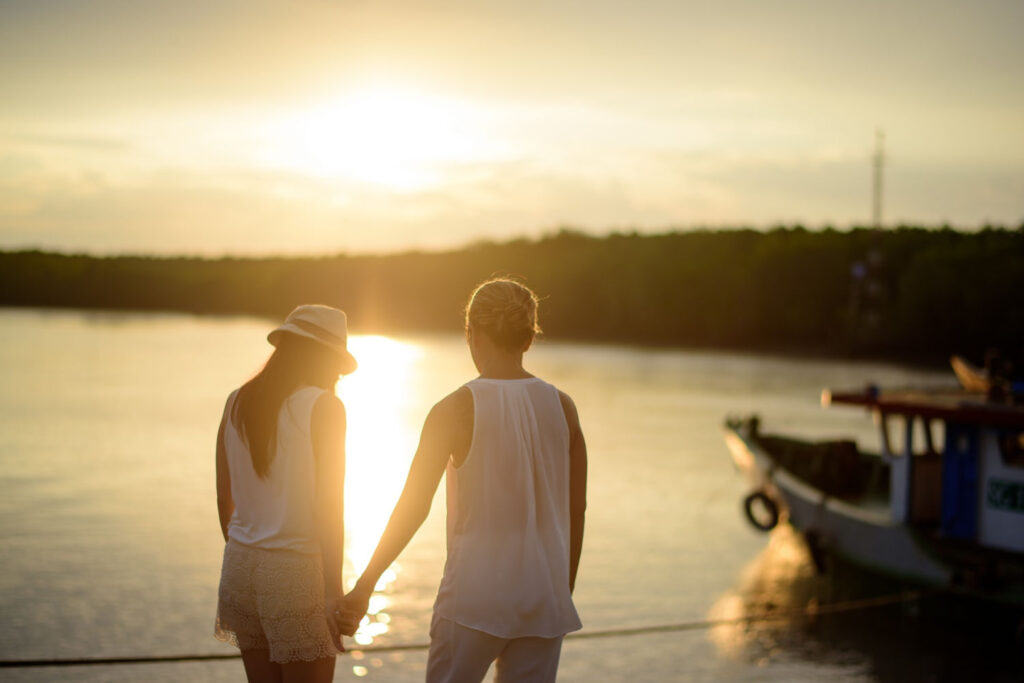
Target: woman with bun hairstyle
{"x": 280, "y": 483}
{"x": 516, "y": 465}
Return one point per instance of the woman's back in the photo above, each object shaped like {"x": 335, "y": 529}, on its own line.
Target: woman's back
{"x": 280, "y": 464}
{"x": 276, "y": 512}
{"x": 507, "y": 572}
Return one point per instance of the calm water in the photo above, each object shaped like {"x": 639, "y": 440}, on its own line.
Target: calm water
{"x": 109, "y": 544}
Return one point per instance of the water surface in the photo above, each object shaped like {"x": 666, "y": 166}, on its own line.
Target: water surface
{"x": 109, "y": 542}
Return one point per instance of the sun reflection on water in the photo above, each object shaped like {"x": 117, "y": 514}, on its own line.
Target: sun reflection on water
{"x": 380, "y": 441}
{"x": 774, "y": 587}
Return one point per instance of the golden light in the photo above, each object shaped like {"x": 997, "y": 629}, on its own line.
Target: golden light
{"x": 395, "y": 137}
{"x": 773, "y": 588}
{"x": 380, "y": 442}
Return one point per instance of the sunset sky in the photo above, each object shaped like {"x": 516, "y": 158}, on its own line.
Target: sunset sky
{"x": 257, "y": 127}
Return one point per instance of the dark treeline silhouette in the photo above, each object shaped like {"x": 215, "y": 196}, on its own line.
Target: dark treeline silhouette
{"x": 907, "y": 293}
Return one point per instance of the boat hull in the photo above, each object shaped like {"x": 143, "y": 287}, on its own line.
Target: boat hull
{"x": 861, "y": 534}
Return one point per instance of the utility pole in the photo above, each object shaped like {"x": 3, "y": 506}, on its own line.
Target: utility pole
{"x": 869, "y": 296}
{"x": 879, "y": 161}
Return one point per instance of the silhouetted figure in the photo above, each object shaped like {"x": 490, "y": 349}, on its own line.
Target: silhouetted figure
{"x": 280, "y": 485}
{"x": 516, "y": 468}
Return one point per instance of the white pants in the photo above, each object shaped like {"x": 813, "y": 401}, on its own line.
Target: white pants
{"x": 459, "y": 654}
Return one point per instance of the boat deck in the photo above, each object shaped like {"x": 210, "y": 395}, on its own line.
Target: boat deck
{"x": 956, "y": 405}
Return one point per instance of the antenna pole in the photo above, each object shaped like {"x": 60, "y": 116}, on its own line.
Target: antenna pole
{"x": 878, "y": 162}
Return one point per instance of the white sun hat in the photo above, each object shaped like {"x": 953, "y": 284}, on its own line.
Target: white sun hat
{"x": 323, "y": 324}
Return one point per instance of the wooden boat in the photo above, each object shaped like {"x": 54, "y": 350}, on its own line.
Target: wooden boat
{"x": 949, "y": 517}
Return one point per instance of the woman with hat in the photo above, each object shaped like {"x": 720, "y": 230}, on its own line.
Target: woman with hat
{"x": 280, "y": 481}
{"x": 516, "y": 465}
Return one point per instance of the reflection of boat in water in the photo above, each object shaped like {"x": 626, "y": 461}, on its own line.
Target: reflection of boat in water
{"x": 778, "y": 616}
{"x": 951, "y": 518}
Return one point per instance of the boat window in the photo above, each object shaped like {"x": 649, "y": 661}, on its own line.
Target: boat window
{"x": 882, "y": 421}
{"x": 927, "y": 435}
{"x": 1011, "y": 445}
{"x": 936, "y": 430}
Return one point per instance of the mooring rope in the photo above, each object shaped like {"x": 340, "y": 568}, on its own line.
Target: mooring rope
{"x": 811, "y": 610}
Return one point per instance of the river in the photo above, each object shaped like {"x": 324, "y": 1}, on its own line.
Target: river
{"x": 109, "y": 543}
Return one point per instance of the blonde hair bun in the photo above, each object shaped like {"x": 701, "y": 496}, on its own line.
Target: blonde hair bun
{"x": 506, "y": 311}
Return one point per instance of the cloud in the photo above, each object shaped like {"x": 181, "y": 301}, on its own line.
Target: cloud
{"x": 85, "y": 142}
{"x": 244, "y": 211}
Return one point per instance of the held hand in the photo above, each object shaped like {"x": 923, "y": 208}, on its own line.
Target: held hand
{"x": 353, "y": 609}
{"x": 335, "y": 622}
{"x": 349, "y": 622}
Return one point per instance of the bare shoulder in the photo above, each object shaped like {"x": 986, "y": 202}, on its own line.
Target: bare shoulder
{"x": 453, "y": 408}
{"x": 327, "y": 428}
{"x": 225, "y": 416}
{"x": 229, "y": 402}
{"x": 450, "y": 424}
{"x": 451, "y": 419}
{"x": 328, "y": 409}
{"x": 571, "y": 415}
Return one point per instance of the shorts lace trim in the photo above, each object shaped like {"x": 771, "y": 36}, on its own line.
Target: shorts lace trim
{"x": 273, "y": 600}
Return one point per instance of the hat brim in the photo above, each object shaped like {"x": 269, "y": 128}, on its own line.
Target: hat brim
{"x": 349, "y": 362}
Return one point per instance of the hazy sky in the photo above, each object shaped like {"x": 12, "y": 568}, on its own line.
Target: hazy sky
{"x": 248, "y": 126}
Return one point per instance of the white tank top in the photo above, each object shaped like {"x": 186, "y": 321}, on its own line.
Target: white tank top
{"x": 276, "y": 512}
{"x": 507, "y": 571}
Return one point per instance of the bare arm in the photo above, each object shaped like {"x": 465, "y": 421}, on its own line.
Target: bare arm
{"x": 225, "y": 503}
{"x": 577, "y": 486}
{"x": 327, "y": 432}
{"x": 327, "y": 427}
{"x": 413, "y": 505}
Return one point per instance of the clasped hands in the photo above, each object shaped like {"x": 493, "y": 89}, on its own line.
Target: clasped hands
{"x": 345, "y": 613}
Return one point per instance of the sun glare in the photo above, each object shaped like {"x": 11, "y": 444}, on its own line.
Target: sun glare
{"x": 381, "y": 439}
{"x": 392, "y": 137}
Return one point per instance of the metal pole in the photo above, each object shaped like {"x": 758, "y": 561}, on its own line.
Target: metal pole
{"x": 879, "y": 161}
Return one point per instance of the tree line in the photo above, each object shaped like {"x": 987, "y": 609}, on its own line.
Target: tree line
{"x": 908, "y": 293}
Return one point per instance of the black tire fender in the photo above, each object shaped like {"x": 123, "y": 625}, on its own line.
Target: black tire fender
{"x": 770, "y": 509}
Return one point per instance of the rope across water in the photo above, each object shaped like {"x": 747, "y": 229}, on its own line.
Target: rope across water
{"x": 774, "y": 615}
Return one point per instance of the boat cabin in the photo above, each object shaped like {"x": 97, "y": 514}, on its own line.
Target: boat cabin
{"x": 960, "y": 467}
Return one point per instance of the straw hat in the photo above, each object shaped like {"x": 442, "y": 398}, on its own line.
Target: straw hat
{"x": 323, "y": 324}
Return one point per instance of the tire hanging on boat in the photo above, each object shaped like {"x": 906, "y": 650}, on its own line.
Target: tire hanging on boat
{"x": 770, "y": 509}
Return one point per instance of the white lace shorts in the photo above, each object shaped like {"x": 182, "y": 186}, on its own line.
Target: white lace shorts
{"x": 273, "y": 600}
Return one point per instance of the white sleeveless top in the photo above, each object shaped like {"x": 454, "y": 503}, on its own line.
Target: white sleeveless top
{"x": 276, "y": 512}
{"x": 507, "y": 571}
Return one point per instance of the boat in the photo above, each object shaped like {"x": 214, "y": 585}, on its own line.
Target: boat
{"x": 940, "y": 507}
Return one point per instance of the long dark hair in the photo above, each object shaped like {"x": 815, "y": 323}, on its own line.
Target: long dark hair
{"x": 296, "y": 362}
